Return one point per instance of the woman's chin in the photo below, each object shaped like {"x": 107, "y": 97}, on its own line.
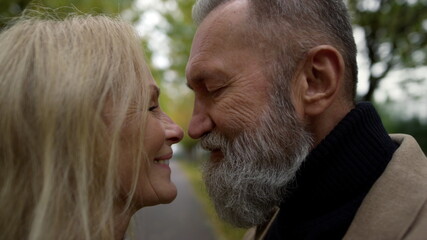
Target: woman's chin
{"x": 168, "y": 197}
{"x": 162, "y": 198}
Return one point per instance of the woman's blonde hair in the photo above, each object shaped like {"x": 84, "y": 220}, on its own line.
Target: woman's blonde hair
{"x": 58, "y": 153}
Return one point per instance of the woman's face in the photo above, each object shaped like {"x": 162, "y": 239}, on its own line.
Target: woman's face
{"x": 154, "y": 185}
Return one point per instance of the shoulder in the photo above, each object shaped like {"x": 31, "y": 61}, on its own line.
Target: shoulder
{"x": 408, "y": 147}
{"x": 396, "y": 205}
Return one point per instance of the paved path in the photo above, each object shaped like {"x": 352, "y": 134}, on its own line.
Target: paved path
{"x": 183, "y": 219}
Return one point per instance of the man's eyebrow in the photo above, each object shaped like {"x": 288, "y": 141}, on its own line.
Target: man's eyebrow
{"x": 201, "y": 76}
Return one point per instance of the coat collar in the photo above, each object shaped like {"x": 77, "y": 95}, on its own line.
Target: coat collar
{"x": 396, "y": 198}
{"x": 393, "y": 202}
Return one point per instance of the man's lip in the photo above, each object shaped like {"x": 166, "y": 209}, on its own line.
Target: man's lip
{"x": 216, "y": 155}
{"x": 164, "y": 157}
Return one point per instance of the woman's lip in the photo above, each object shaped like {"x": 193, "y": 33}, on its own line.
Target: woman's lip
{"x": 164, "y": 157}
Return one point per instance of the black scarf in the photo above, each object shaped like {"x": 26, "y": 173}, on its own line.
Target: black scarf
{"x": 332, "y": 182}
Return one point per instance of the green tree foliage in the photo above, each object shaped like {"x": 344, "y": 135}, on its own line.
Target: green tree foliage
{"x": 181, "y": 31}
{"x": 177, "y": 100}
{"x": 394, "y": 123}
{"x": 395, "y": 33}
{"x": 12, "y": 8}
{"x": 415, "y": 127}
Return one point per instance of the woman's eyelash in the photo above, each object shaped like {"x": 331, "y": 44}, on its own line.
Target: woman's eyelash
{"x": 152, "y": 108}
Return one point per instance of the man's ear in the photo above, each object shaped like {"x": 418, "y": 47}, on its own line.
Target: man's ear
{"x": 322, "y": 75}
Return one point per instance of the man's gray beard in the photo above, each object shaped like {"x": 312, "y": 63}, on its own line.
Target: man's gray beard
{"x": 258, "y": 164}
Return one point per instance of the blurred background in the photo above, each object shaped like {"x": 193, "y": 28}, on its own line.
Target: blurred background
{"x": 391, "y": 36}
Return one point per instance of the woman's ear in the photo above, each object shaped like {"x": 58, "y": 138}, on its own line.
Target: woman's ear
{"x": 320, "y": 79}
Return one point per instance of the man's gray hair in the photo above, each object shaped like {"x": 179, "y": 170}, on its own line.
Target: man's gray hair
{"x": 289, "y": 28}
{"x": 203, "y": 7}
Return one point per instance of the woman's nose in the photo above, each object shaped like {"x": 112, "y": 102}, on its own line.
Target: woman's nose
{"x": 174, "y": 133}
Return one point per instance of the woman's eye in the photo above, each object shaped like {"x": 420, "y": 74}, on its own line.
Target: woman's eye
{"x": 153, "y": 108}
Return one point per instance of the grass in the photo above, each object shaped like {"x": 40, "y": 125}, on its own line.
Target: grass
{"x": 224, "y": 230}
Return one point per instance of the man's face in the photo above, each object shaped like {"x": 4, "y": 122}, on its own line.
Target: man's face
{"x": 225, "y": 73}
{"x": 256, "y": 144}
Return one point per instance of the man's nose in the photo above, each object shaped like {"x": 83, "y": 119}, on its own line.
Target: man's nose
{"x": 201, "y": 123}
{"x": 173, "y": 132}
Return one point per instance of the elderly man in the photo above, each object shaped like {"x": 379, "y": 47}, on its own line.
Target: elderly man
{"x": 291, "y": 152}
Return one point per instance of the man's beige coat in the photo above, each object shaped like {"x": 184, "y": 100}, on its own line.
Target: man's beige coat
{"x": 396, "y": 205}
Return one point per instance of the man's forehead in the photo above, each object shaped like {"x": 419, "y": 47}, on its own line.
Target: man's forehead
{"x": 228, "y": 14}
{"x": 222, "y": 26}
{"x": 223, "y": 21}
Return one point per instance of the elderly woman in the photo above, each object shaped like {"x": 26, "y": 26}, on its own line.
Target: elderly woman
{"x": 83, "y": 142}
